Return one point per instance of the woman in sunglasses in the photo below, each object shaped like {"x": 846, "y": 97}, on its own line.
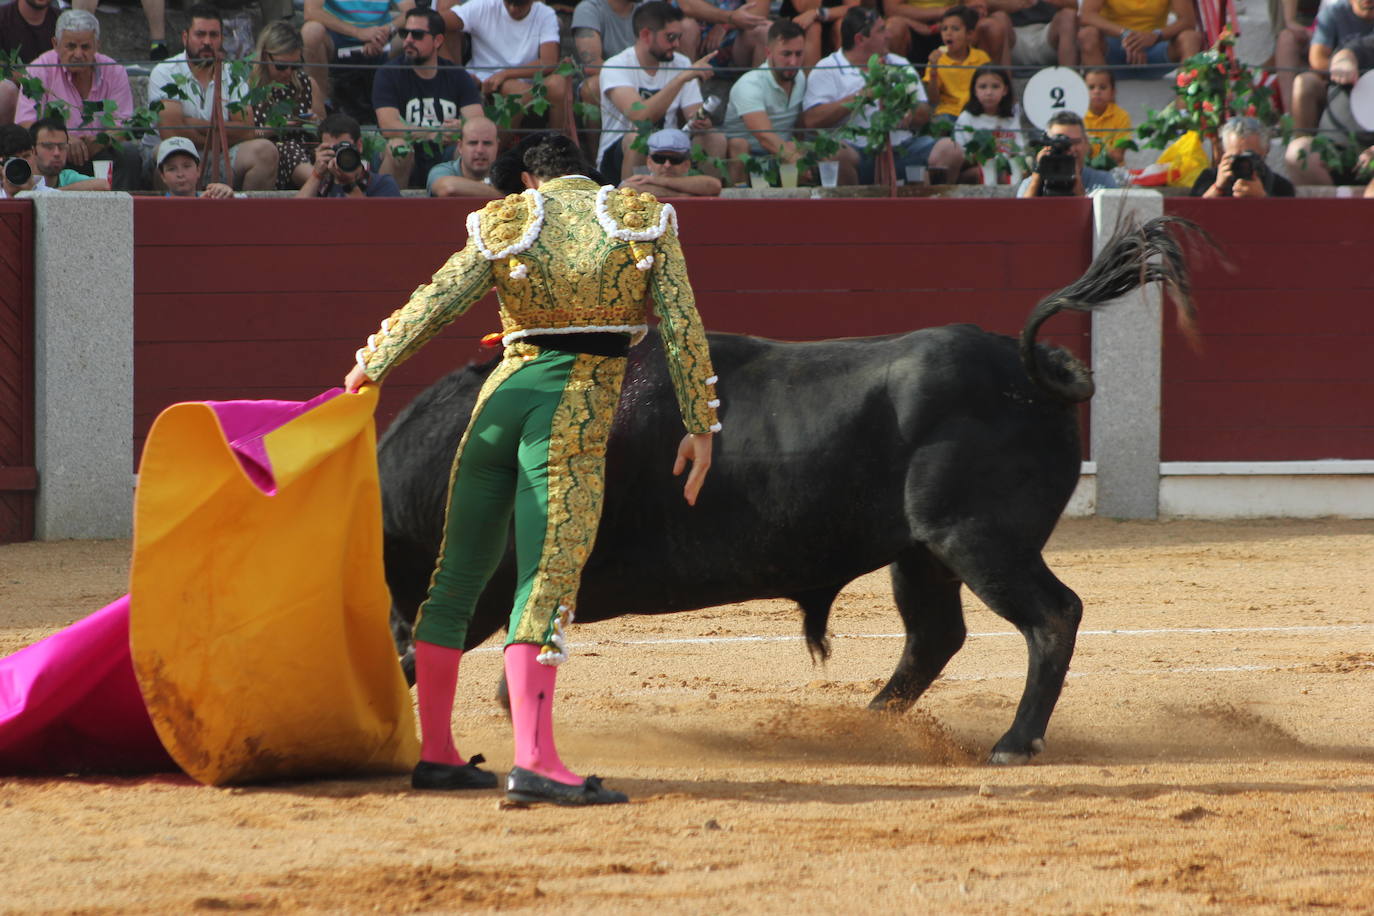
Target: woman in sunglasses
{"x": 292, "y": 99}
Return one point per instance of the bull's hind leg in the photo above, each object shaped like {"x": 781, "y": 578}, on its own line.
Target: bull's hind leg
{"x": 927, "y": 596}
{"x": 1017, "y": 585}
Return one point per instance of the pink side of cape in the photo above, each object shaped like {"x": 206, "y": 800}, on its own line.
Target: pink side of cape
{"x": 70, "y": 703}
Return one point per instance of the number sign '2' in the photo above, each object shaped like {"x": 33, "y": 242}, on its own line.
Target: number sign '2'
{"x": 1051, "y": 91}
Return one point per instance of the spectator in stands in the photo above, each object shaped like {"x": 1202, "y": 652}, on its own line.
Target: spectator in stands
{"x": 357, "y": 30}
{"x": 766, "y": 102}
{"x": 28, "y": 27}
{"x": 1293, "y": 28}
{"x": 1085, "y": 180}
{"x": 838, "y": 80}
{"x": 422, "y": 99}
{"x": 1137, "y": 32}
{"x": 600, "y": 29}
{"x": 1247, "y": 139}
{"x": 178, "y": 162}
{"x": 991, "y": 107}
{"x": 1044, "y": 32}
{"x": 51, "y": 147}
{"x": 512, "y": 40}
{"x": 650, "y": 82}
{"x": 16, "y": 143}
{"x": 1339, "y": 23}
{"x": 950, "y": 74}
{"x": 1105, "y": 120}
{"x": 291, "y": 95}
{"x": 468, "y": 174}
{"x": 914, "y": 29}
{"x": 185, "y": 84}
{"x": 155, "y": 12}
{"x": 342, "y": 135}
{"x": 72, "y": 74}
{"x": 670, "y": 169}
{"x": 734, "y": 31}
{"x": 1338, "y": 121}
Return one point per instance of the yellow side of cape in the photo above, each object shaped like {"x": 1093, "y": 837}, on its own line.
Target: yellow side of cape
{"x": 258, "y": 623}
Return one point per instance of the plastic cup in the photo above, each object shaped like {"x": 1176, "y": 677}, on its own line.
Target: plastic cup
{"x": 830, "y": 174}
{"x": 100, "y": 168}
{"x": 758, "y": 182}
{"x": 787, "y": 174}
{"x": 915, "y": 174}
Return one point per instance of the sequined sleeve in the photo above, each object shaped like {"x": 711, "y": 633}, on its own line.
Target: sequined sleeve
{"x": 684, "y": 340}
{"x": 462, "y": 280}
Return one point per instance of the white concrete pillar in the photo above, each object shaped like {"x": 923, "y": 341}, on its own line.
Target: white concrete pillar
{"x": 1126, "y": 357}
{"x": 84, "y": 364}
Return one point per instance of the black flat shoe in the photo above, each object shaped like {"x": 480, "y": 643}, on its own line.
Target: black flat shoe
{"x": 446, "y": 776}
{"x": 525, "y": 787}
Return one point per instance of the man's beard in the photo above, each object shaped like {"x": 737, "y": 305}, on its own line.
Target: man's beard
{"x": 665, "y": 56}
{"x": 412, "y": 56}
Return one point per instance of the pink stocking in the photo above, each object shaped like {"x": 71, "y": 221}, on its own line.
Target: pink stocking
{"x": 531, "y": 711}
{"x": 436, "y": 679}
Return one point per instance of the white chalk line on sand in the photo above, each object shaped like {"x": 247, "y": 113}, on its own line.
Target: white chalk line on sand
{"x": 1159, "y": 631}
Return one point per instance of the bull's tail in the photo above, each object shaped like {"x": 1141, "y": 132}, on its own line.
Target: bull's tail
{"x": 1133, "y": 257}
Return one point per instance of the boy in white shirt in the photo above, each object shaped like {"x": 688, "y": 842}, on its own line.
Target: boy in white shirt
{"x": 512, "y": 40}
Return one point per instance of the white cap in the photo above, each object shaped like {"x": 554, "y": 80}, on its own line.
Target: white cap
{"x": 176, "y": 145}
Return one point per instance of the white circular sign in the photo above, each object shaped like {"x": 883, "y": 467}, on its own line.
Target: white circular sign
{"x": 1362, "y": 101}
{"x": 1052, "y": 90}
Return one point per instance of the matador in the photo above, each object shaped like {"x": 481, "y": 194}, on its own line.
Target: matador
{"x": 575, "y": 267}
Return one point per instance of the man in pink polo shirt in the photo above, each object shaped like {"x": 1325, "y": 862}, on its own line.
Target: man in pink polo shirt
{"x": 84, "y": 75}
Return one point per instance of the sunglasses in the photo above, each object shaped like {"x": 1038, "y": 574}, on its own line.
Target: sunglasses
{"x": 667, "y": 158}
{"x": 416, "y": 34}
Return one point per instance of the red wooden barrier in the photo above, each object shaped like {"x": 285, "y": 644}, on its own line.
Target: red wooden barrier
{"x": 269, "y": 298}
{"x": 18, "y": 480}
{"x": 1285, "y": 370}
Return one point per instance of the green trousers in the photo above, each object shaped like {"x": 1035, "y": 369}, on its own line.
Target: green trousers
{"x": 535, "y": 450}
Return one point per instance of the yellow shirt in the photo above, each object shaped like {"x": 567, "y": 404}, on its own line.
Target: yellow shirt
{"x": 1137, "y": 15}
{"x": 1114, "y": 119}
{"x": 956, "y": 78}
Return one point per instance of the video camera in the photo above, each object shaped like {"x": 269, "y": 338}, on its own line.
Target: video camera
{"x": 347, "y": 157}
{"x": 18, "y": 171}
{"x": 1247, "y": 165}
{"x": 1058, "y": 167}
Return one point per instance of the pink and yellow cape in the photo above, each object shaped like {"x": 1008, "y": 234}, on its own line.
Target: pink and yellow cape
{"x": 253, "y": 643}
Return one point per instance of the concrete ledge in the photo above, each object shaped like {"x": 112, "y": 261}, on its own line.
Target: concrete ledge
{"x": 84, "y": 363}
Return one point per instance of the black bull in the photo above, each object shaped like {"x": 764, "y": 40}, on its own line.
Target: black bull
{"x": 947, "y": 454}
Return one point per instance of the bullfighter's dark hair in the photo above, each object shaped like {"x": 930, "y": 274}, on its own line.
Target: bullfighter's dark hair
{"x": 964, "y": 14}
{"x": 1132, "y": 257}
{"x": 1007, "y": 107}
{"x": 785, "y": 30}
{"x": 552, "y": 156}
{"x": 204, "y": 11}
{"x": 860, "y": 20}
{"x": 655, "y": 16}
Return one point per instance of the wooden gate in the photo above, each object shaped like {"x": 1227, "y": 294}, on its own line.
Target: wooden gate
{"x": 18, "y": 479}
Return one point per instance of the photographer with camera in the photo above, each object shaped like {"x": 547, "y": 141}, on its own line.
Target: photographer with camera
{"x": 1242, "y": 171}
{"x": 339, "y": 167}
{"x": 1059, "y": 169}
{"x": 17, "y": 173}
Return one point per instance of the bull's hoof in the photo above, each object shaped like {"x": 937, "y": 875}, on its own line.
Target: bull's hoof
{"x": 894, "y": 705}
{"x": 1008, "y": 758}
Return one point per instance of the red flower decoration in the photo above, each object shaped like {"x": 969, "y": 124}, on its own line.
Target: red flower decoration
{"x": 492, "y": 340}
{"x": 1251, "y": 111}
{"x": 1208, "y": 106}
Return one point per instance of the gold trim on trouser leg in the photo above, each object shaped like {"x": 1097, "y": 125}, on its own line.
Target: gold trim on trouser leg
{"x": 503, "y": 371}
{"x": 576, "y": 486}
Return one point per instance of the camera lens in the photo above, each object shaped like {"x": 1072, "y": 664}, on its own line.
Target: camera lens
{"x": 18, "y": 171}
{"x": 346, "y": 157}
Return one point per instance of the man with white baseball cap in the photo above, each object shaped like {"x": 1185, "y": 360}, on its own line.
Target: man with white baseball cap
{"x": 178, "y": 162}
{"x": 670, "y": 161}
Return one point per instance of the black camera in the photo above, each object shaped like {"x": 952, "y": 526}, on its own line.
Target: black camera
{"x": 1247, "y": 165}
{"x": 18, "y": 171}
{"x": 347, "y": 157}
{"x": 1058, "y": 167}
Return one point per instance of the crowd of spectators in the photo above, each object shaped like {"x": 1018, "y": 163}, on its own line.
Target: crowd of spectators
{"x": 432, "y": 79}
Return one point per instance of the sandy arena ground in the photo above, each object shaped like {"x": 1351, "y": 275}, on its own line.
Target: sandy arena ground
{"x": 1211, "y": 753}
